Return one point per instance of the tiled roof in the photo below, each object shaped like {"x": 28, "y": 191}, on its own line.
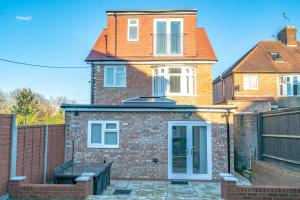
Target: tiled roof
{"x": 259, "y": 59}
{"x": 205, "y": 51}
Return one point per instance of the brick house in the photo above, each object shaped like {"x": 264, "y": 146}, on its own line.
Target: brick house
{"x": 268, "y": 75}
{"x": 151, "y": 106}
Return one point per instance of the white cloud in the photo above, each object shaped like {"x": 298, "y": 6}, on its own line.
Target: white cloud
{"x": 24, "y": 18}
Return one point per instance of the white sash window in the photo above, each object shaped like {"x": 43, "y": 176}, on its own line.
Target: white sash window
{"x": 174, "y": 81}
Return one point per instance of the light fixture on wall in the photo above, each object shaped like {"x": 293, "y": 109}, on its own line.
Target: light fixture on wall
{"x": 76, "y": 113}
{"x": 187, "y": 115}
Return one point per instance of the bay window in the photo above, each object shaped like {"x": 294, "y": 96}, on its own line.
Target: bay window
{"x": 103, "y": 134}
{"x": 289, "y": 85}
{"x": 168, "y": 36}
{"x": 177, "y": 81}
{"x": 114, "y": 76}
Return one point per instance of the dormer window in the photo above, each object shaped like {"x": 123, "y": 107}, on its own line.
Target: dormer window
{"x": 133, "y": 30}
{"x": 168, "y": 37}
{"x": 276, "y": 56}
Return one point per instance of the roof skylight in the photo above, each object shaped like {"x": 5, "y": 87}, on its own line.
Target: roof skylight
{"x": 276, "y": 56}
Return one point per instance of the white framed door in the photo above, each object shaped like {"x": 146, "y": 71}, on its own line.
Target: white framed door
{"x": 189, "y": 150}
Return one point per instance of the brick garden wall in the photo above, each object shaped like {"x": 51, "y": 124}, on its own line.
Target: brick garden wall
{"x": 20, "y": 190}
{"x": 231, "y": 191}
{"x": 143, "y": 135}
{"x": 5, "y": 141}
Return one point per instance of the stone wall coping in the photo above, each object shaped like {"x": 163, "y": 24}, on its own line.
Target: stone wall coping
{"x": 88, "y": 174}
{"x": 18, "y": 178}
{"x": 230, "y": 179}
{"x": 225, "y": 174}
{"x": 82, "y": 179}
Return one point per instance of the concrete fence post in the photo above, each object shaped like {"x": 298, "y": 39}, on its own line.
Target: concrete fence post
{"x": 45, "y": 154}
{"x": 14, "y": 142}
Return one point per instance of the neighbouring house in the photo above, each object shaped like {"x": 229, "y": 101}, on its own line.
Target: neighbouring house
{"x": 267, "y": 76}
{"x": 151, "y": 109}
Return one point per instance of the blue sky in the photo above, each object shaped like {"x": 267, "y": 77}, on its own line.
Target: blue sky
{"x": 61, "y": 33}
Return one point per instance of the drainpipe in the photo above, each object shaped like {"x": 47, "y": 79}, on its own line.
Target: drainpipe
{"x": 92, "y": 84}
{"x": 116, "y": 31}
{"x": 228, "y": 139}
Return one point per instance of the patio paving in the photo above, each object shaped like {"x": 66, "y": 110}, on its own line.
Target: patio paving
{"x": 161, "y": 190}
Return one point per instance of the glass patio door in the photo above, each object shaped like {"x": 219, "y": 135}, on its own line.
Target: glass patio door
{"x": 189, "y": 150}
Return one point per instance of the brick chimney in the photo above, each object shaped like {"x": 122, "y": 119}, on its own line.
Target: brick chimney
{"x": 288, "y": 36}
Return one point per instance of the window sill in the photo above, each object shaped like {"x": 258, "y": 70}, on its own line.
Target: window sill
{"x": 181, "y": 95}
{"x": 289, "y": 96}
{"x": 167, "y": 55}
{"x": 250, "y": 89}
{"x": 114, "y": 86}
{"x": 103, "y": 146}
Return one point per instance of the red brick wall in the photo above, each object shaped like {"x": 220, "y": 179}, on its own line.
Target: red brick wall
{"x": 21, "y": 190}
{"x": 143, "y": 136}
{"x": 231, "y": 191}
{"x": 30, "y": 156}
{"x": 5, "y": 140}
{"x": 139, "y": 83}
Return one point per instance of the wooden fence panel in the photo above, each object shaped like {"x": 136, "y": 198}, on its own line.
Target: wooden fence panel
{"x": 30, "y": 154}
{"x": 56, "y": 140}
{"x": 280, "y": 136}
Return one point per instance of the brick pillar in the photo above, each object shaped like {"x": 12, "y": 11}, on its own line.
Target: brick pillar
{"x": 228, "y": 185}
{"x": 85, "y": 184}
{"x": 14, "y": 185}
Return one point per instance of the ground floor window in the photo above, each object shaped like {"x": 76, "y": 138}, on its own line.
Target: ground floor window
{"x": 103, "y": 134}
{"x": 289, "y": 85}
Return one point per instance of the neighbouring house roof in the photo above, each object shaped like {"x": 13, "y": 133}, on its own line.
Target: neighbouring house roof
{"x": 205, "y": 51}
{"x": 146, "y": 107}
{"x": 259, "y": 59}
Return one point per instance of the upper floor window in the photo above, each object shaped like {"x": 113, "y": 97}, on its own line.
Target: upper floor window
{"x": 176, "y": 81}
{"x": 114, "y": 76}
{"x": 289, "y": 85}
{"x": 250, "y": 82}
{"x": 103, "y": 134}
{"x": 168, "y": 37}
{"x": 133, "y": 30}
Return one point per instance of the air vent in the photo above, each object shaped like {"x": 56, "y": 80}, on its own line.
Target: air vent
{"x": 179, "y": 182}
{"x": 122, "y": 192}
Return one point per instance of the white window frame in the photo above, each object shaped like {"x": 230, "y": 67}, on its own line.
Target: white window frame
{"x": 183, "y": 85}
{"x": 115, "y": 77}
{"x": 291, "y": 76}
{"x": 137, "y": 30}
{"x": 248, "y": 87}
{"x": 168, "y": 20}
{"x": 103, "y": 130}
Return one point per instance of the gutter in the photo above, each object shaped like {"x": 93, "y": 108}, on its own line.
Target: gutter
{"x": 145, "y": 107}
